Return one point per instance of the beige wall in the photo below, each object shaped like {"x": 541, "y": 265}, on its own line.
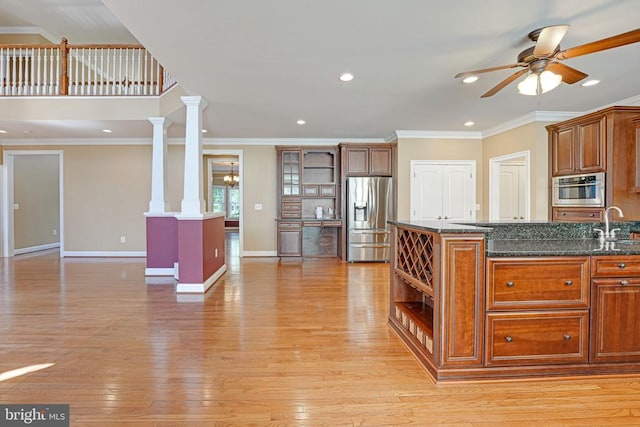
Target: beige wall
{"x": 24, "y": 39}
{"x": 434, "y": 149}
{"x": 37, "y": 194}
{"x": 532, "y": 137}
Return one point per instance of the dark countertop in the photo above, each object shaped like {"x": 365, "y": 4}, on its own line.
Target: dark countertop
{"x": 568, "y": 247}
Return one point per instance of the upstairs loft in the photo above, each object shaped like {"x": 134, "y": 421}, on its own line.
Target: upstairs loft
{"x": 80, "y": 70}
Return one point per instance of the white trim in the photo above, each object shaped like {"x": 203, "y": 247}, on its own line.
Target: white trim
{"x": 419, "y": 134}
{"x": 76, "y": 141}
{"x": 240, "y": 154}
{"x": 100, "y": 254}
{"x": 204, "y": 215}
{"x": 160, "y": 214}
{"x": 631, "y": 101}
{"x": 494, "y": 183}
{"x": 159, "y": 272}
{"x": 36, "y": 248}
{"x": 6, "y": 192}
{"x": 285, "y": 141}
{"x": 200, "y": 288}
{"x": 259, "y": 253}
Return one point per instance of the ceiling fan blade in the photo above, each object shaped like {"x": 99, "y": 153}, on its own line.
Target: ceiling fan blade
{"x": 549, "y": 39}
{"x": 485, "y": 70}
{"x": 504, "y": 83}
{"x": 569, "y": 75}
{"x": 604, "y": 44}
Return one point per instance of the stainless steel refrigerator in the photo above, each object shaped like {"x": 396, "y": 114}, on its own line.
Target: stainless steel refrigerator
{"x": 369, "y": 206}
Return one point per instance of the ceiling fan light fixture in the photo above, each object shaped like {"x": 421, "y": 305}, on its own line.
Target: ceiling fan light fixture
{"x": 534, "y": 83}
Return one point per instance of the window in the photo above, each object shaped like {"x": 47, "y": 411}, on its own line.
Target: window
{"x": 218, "y": 198}
{"x": 234, "y": 203}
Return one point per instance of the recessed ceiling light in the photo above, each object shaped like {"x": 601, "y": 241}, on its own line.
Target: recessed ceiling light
{"x": 301, "y": 122}
{"x": 106, "y": 130}
{"x": 590, "y": 83}
{"x": 346, "y": 77}
{"x": 204, "y": 131}
{"x": 26, "y": 131}
{"x": 3, "y": 131}
{"x": 469, "y": 123}
{"x": 470, "y": 79}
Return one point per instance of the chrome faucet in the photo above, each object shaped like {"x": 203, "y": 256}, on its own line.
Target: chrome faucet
{"x": 609, "y": 234}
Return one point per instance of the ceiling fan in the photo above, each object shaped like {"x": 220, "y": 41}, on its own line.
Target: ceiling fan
{"x": 546, "y": 55}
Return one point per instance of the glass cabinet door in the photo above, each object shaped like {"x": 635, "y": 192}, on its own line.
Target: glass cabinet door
{"x": 291, "y": 173}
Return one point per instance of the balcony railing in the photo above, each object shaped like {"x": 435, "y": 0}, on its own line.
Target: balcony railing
{"x": 80, "y": 70}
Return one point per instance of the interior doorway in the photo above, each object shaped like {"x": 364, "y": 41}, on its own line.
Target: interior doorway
{"x": 26, "y": 207}
{"x": 510, "y": 187}
{"x": 226, "y": 196}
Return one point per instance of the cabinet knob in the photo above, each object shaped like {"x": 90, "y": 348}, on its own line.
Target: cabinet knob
{"x": 515, "y": 217}
{"x": 592, "y": 215}
{"x": 439, "y": 217}
{"x": 564, "y": 213}
{"x": 568, "y": 282}
{"x": 622, "y": 265}
{"x": 567, "y": 337}
{"x": 508, "y": 338}
{"x": 624, "y": 282}
{"x": 510, "y": 284}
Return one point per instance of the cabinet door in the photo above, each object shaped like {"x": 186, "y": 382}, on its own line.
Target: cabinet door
{"x": 615, "y": 335}
{"x": 591, "y": 150}
{"x": 563, "y": 151}
{"x": 289, "y": 239}
{"x": 357, "y": 161}
{"x": 380, "y": 161}
{"x": 291, "y": 170}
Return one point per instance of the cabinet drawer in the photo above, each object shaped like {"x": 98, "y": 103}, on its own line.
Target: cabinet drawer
{"x": 328, "y": 190}
{"x": 577, "y": 214}
{"x": 310, "y": 190}
{"x": 289, "y": 226}
{"x": 535, "y": 338}
{"x": 288, "y": 207}
{"x": 615, "y": 266}
{"x": 537, "y": 283}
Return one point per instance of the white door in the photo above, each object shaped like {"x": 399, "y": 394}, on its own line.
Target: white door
{"x": 426, "y": 194}
{"x": 443, "y": 191}
{"x": 512, "y": 192}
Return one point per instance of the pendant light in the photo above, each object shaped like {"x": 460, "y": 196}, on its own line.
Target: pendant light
{"x": 232, "y": 179}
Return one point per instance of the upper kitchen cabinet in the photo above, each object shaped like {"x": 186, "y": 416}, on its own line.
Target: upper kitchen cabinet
{"x": 578, "y": 147}
{"x": 367, "y": 160}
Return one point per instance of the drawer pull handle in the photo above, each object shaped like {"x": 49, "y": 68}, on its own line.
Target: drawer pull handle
{"x": 510, "y": 284}
{"x": 568, "y": 282}
{"x": 567, "y": 337}
{"x": 622, "y": 265}
{"x": 508, "y": 338}
{"x": 624, "y": 282}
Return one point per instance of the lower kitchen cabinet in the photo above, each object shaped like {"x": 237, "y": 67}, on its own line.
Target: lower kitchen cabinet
{"x": 290, "y": 239}
{"x": 615, "y": 335}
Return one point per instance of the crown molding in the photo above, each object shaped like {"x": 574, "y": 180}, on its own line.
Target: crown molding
{"x": 534, "y": 116}
{"x": 419, "y": 134}
{"x": 76, "y": 141}
{"x": 279, "y": 141}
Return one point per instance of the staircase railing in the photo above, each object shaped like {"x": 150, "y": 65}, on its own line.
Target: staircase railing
{"x": 80, "y": 70}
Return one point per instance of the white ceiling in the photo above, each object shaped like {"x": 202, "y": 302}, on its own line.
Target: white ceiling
{"x": 262, "y": 65}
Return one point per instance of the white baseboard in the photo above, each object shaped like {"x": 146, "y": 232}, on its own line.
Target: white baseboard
{"x": 259, "y": 253}
{"x": 201, "y": 288}
{"x": 160, "y": 272}
{"x": 36, "y": 248}
{"x": 104, "y": 254}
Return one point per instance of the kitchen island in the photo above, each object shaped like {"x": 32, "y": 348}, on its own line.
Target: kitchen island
{"x": 516, "y": 300}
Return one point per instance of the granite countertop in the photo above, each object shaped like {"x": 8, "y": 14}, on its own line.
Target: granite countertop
{"x": 442, "y": 226}
{"x": 504, "y": 248}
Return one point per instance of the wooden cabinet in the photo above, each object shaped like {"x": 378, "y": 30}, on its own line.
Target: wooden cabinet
{"x": 579, "y": 147}
{"x": 367, "y": 160}
{"x": 289, "y": 239}
{"x": 615, "y": 334}
{"x": 537, "y": 310}
{"x": 307, "y": 180}
{"x": 602, "y": 141}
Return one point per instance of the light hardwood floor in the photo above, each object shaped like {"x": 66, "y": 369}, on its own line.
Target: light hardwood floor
{"x": 295, "y": 343}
